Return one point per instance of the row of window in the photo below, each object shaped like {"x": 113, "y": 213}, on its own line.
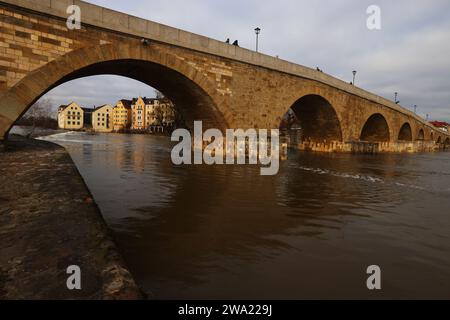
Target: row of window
{"x": 70, "y": 123}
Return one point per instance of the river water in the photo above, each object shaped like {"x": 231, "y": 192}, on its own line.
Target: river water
{"x": 311, "y": 231}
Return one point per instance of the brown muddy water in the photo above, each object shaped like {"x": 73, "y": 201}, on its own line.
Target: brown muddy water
{"x": 311, "y": 231}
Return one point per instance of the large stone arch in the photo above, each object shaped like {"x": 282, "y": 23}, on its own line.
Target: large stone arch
{"x": 375, "y": 129}
{"x": 318, "y": 119}
{"x": 196, "y": 95}
{"x": 405, "y": 132}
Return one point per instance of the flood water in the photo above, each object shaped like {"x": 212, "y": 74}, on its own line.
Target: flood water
{"x": 309, "y": 232}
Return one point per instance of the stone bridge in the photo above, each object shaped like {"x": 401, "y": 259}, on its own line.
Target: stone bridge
{"x": 221, "y": 84}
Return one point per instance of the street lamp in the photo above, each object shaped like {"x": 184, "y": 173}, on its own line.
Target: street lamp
{"x": 354, "y": 75}
{"x": 395, "y": 99}
{"x": 257, "y": 31}
{"x": 415, "y": 109}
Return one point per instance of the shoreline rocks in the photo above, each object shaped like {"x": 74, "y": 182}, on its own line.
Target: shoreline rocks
{"x": 48, "y": 222}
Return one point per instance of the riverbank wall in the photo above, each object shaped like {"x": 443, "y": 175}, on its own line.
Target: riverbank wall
{"x": 48, "y": 222}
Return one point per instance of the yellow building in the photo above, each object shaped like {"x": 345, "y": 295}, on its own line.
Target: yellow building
{"x": 102, "y": 119}
{"x": 138, "y": 114}
{"x": 148, "y": 113}
{"x": 122, "y": 115}
{"x": 71, "y": 117}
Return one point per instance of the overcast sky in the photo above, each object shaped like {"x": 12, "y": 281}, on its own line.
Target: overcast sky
{"x": 410, "y": 54}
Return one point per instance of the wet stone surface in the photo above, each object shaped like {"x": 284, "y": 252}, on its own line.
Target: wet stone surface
{"x": 48, "y": 222}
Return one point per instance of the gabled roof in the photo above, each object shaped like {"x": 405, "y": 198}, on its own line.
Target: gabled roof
{"x": 126, "y": 103}
{"x": 65, "y": 106}
{"x": 145, "y": 99}
{"x": 101, "y": 107}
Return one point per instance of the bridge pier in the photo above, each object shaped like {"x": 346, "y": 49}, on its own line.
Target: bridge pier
{"x": 366, "y": 147}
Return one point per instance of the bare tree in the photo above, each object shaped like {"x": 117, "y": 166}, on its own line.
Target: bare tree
{"x": 159, "y": 115}
{"x": 41, "y": 109}
{"x": 39, "y": 114}
{"x": 159, "y": 95}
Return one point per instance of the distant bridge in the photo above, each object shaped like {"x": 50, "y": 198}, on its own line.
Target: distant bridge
{"x": 221, "y": 84}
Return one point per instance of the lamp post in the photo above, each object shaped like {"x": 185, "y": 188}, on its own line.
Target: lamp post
{"x": 415, "y": 109}
{"x": 354, "y": 75}
{"x": 257, "y": 31}
{"x": 395, "y": 98}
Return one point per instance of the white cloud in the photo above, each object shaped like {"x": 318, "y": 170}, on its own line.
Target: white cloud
{"x": 98, "y": 90}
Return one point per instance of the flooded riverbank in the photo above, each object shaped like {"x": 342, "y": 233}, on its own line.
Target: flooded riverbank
{"x": 309, "y": 232}
{"x": 48, "y": 222}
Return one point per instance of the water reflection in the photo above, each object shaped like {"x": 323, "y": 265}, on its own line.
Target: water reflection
{"x": 309, "y": 232}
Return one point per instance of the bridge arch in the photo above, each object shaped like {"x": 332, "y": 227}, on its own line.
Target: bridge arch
{"x": 421, "y": 135}
{"x": 447, "y": 143}
{"x": 405, "y": 133}
{"x": 439, "y": 140}
{"x": 193, "y": 93}
{"x": 318, "y": 119}
{"x": 375, "y": 129}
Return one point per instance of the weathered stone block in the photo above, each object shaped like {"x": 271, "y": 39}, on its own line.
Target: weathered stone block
{"x": 61, "y": 5}
{"x": 138, "y": 25}
{"x": 115, "y": 20}
{"x": 89, "y": 13}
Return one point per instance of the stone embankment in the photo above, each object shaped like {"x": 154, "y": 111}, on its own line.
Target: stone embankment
{"x": 48, "y": 222}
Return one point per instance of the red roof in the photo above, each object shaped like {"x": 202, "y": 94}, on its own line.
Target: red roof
{"x": 439, "y": 124}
